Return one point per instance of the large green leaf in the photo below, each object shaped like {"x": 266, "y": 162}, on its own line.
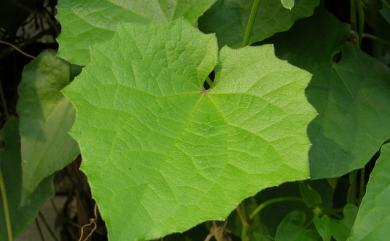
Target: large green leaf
{"x": 228, "y": 19}
{"x": 294, "y": 228}
{"x": 86, "y": 22}
{"x": 349, "y": 89}
{"x": 373, "y": 219}
{"x": 154, "y": 141}
{"x": 45, "y": 119}
{"x": 10, "y": 163}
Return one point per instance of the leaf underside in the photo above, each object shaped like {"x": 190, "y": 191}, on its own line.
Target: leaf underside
{"x": 46, "y": 117}
{"x": 171, "y": 154}
{"x": 21, "y": 215}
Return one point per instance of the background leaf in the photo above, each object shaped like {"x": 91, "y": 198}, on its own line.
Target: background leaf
{"x": 349, "y": 89}
{"x": 87, "y": 22}
{"x": 173, "y": 152}
{"x": 45, "y": 119}
{"x": 10, "y": 163}
{"x": 373, "y": 218}
{"x": 293, "y": 228}
{"x": 228, "y": 19}
{"x": 342, "y": 228}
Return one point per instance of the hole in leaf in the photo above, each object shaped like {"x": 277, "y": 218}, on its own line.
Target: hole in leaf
{"x": 337, "y": 57}
{"x": 209, "y": 80}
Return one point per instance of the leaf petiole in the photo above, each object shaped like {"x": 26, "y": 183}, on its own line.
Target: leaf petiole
{"x": 4, "y": 199}
{"x": 267, "y": 203}
{"x": 251, "y": 21}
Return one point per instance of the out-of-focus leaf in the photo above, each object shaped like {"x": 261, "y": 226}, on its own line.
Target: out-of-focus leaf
{"x": 323, "y": 227}
{"x": 293, "y": 228}
{"x": 229, "y": 18}
{"x": 373, "y": 219}
{"x": 310, "y": 196}
{"x": 385, "y": 12}
{"x": 342, "y": 228}
{"x": 10, "y": 163}
{"x": 46, "y": 116}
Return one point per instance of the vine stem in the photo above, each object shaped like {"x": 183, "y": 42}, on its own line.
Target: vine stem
{"x": 210, "y": 82}
{"x": 17, "y": 49}
{"x": 361, "y": 19}
{"x": 265, "y": 204}
{"x": 251, "y": 21}
{"x": 352, "y": 14}
{"x": 3, "y": 101}
{"x": 376, "y": 38}
{"x": 244, "y": 221}
{"x": 7, "y": 218}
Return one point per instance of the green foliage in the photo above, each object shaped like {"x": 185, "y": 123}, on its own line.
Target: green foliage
{"x": 87, "y": 22}
{"x": 176, "y": 129}
{"x": 10, "y": 167}
{"x": 373, "y": 218}
{"x": 351, "y": 100}
{"x": 293, "y": 228}
{"x": 45, "y": 119}
{"x": 176, "y": 146}
{"x": 229, "y": 18}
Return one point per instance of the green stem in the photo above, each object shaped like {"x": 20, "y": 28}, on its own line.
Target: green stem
{"x": 7, "y": 218}
{"x": 376, "y": 38}
{"x": 265, "y": 204}
{"x": 352, "y": 15}
{"x": 251, "y": 21}
{"x": 210, "y": 82}
{"x": 361, "y": 19}
{"x": 244, "y": 221}
{"x": 3, "y": 101}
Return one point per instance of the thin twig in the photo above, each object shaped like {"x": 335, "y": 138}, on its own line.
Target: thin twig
{"x": 39, "y": 230}
{"x": 209, "y": 237}
{"x": 376, "y": 38}
{"x": 92, "y": 221}
{"x": 17, "y": 49}
{"x": 51, "y": 232}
